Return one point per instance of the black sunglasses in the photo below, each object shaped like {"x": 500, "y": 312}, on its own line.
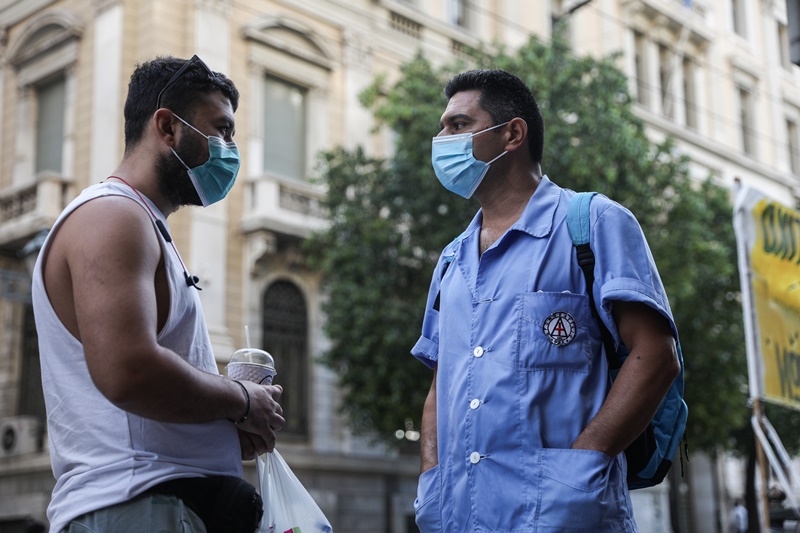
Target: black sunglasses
{"x": 186, "y": 66}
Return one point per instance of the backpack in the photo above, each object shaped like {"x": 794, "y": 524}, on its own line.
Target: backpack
{"x": 650, "y": 456}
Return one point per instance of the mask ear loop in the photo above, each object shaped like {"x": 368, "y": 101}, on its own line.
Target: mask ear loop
{"x": 496, "y": 158}
{"x": 488, "y": 129}
{"x": 195, "y": 129}
{"x": 191, "y": 281}
{"x": 179, "y": 158}
{"x": 173, "y": 150}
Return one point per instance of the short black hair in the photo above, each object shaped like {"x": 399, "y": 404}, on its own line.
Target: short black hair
{"x": 150, "y": 77}
{"x": 504, "y": 96}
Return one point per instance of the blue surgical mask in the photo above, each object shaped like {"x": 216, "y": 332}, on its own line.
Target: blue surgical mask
{"x": 213, "y": 179}
{"x": 456, "y": 166}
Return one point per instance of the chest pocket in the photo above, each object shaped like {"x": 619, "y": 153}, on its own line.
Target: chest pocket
{"x": 555, "y": 331}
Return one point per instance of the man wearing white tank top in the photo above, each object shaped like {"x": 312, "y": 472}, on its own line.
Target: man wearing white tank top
{"x": 144, "y": 433}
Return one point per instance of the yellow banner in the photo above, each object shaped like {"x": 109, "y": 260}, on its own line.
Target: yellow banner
{"x": 775, "y": 278}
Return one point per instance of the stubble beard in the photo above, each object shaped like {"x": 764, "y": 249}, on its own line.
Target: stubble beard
{"x": 174, "y": 182}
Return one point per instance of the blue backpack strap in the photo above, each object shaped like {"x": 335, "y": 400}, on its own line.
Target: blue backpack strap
{"x": 579, "y": 225}
{"x": 650, "y": 455}
{"x": 578, "y": 221}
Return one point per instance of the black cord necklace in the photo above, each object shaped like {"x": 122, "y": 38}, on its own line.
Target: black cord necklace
{"x": 191, "y": 281}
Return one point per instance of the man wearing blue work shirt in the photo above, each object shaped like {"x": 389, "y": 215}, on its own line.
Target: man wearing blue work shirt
{"x": 522, "y": 430}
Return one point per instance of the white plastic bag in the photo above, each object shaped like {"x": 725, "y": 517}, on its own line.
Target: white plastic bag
{"x": 288, "y": 507}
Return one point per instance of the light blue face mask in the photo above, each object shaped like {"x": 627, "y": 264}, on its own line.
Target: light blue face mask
{"x": 456, "y": 166}
{"x": 213, "y": 179}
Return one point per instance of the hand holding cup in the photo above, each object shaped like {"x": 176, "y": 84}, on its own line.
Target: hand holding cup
{"x": 257, "y": 366}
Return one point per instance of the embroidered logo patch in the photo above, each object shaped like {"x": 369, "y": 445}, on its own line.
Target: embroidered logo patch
{"x": 560, "y": 328}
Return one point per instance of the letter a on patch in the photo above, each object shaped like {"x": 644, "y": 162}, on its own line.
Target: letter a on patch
{"x": 560, "y": 328}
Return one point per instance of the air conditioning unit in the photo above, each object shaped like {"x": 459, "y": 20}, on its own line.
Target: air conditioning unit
{"x": 18, "y": 435}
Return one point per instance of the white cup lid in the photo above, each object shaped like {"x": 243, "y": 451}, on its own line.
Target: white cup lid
{"x": 253, "y": 356}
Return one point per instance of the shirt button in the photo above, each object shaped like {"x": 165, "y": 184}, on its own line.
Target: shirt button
{"x": 478, "y": 351}
{"x": 474, "y": 458}
{"x": 474, "y": 404}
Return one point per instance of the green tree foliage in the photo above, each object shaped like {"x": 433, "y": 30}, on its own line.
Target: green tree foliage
{"x": 390, "y": 220}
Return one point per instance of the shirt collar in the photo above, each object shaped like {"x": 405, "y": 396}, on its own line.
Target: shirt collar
{"x": 537, "y": 218}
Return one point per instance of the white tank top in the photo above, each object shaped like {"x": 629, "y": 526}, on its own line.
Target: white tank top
{"x": 100, "y": 454}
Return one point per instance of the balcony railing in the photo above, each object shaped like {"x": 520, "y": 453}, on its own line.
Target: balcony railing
{"x": 26, "y": 210}
{"x": 283, "y": 206}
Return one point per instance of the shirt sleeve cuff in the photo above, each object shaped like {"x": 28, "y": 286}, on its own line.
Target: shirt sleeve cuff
{"x": 632, "y": 290}
{"x": 426, "y": 351}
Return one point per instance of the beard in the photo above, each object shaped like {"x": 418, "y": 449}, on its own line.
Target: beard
{"x": 173, "y": 179}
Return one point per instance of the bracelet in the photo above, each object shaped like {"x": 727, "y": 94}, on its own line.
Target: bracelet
{"x": 247, "y": 408}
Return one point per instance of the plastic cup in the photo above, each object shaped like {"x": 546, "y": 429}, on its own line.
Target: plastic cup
{"x": 251, "y": 364}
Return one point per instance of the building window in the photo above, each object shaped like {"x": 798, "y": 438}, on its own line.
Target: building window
{"x": 50, "y": 105}
{"x": 285, "y": 132}
{"x": 746, "y": 121}
{"x": 461, "y": 12}
{"x": 665, "y": 74}
{"x": 285, "y": 336}
{"x": 738, "y": 12}
{"x": 642, "y": 87}
{"x": 793, "y": 147}
{"x": 31, "y": 398}
{"x": 43, "y": 58}
{"x": 689, "y": 93}
{"x": 783, "y": 46}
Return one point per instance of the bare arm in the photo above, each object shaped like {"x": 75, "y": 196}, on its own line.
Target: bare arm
{"x": 100, "y": 276}
{"x": 641, "y": 384}
{"x": 428, "y": 438}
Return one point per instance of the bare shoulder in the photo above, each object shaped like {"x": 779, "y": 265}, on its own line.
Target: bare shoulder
{"x": 107, "y": 227}
{"x": 102, "y": 240}
{"x": 102, "y": 247}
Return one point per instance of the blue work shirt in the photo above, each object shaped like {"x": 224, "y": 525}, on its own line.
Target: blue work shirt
{"x": 521, "y": 372}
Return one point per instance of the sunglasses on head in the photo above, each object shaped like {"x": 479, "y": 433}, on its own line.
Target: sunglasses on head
{"x": 186, "y": 66}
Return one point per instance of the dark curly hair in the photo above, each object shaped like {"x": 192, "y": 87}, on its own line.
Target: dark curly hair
{"x": 151, "y": 76}
{"x": 504, "y": 96}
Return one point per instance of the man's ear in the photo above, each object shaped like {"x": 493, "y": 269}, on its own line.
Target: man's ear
{"x": 517, "y": 132}
{"x": 164, "y": 123}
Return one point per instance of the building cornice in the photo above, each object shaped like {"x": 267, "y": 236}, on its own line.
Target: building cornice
{"x": 714, "y": 150}
{"x": 101, "y": 6}
{"x": 33, "y": 41}
{"x": 291, "y": 37}
{"x": 16, "y": 12}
